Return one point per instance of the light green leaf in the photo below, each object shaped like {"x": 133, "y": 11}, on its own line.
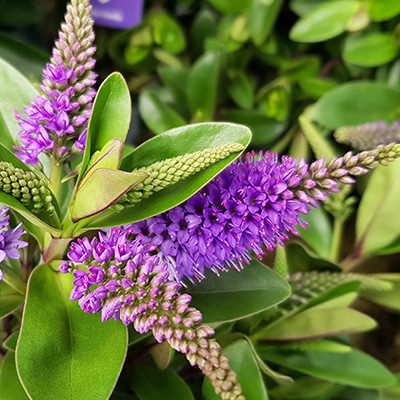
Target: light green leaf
{"x": 238, "y": 293}
{"x": 203, "y": 85}
{"x": 263, "y": 14}
{"x": 316, "y": 323}
{"x": 368, "y": 101}
{"x": 243, "y": 362}
{"x": 110, "y": 118}
{"x": 380, "y": 10}
{"x": 150, "y": 383}
{"x": 176, "y": 142}
{"x": 10, "y": 386}
{"x": 94, "y": 196}
{"x": 378, "y": 217}
{"x": 16, "y": 93}
{"x": 324, "y": 22}
{"x": 158, "y": 116}
{"x": 63, "y": 352}
{"x": 370, "y": 50}
{"x": 11, "y": 342}
{"x": 361, "y": 370}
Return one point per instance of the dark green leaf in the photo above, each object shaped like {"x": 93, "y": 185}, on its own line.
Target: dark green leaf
{"x": 150, "y": 383}
{"x": 11, "y": 342}
{"x": 10, "y": 386}
{"x": 63, "y": 352}
{"x": 361, "y": 370}
{"x": 324, "y": 22}
{"x": 158, "y": 116}
{"x": 203, "y": 85}
{"x": 110, "y": 117}
{"x": 173, "y": 143}
{"x": 167, "y": 33}
{"x": 316, "y": 87}
{"x": 368, "y": 101}
{"x": 370, "y": 50}
{"x": 241, "y": 89}
{"x": 243, "y": 362}
{"x": 238, "y": 293}
{"x": 229, "y": 6}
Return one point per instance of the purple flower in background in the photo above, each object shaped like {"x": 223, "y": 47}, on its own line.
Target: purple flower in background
{"x": 9, "y": 239}
{"x": 59, "y": 117}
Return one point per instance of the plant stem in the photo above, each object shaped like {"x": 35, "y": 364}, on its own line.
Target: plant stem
{"x": 55, "y": 178}
{"x": 55, "y": 250}
{"x": 337, "y": 239}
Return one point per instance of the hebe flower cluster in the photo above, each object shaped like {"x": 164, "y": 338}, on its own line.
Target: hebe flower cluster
{"x": 61, "y": 113}
{"x": 9, "y": 239}
{"x": 133, "y": 285}
{"x": 246, "y": 205}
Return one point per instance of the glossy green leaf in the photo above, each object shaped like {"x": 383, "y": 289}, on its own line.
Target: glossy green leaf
{"x": 10, "y": 299}
{"x": 63, "y": 352}
{"x": 150, "y": 383}
{"x": 110, "y": 117}
{"x": 370, "y": 50}
{"x": 263, "y": 14}
{"x": 368, "y": 101}
{"x": 203, "y": 85}
{"x": 10, "y": 386}
{"x": 158, "y": 116}
{"x": 265, "y": 130}
{"x": 16, "y": 92}
{"x": 241, "y": 89}
{"x": 316, "y": 323}
{"x": 324, "y": 22}
{"x": 380, "y": 10}
{"x": 94, "y": 196}
{"x": 229, "y": 6}
{"x": 167, "y": 33}
{"x": 238, "y": 293}
{"x": 361, "y": 370}
{"x": 175, "y": 142}
{"x": 243, "y": 362}
{"x": 378, "y": 217}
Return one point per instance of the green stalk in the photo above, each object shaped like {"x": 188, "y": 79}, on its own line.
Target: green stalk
{"x": 55, "y": 178}
{"x": 337, "y": 239}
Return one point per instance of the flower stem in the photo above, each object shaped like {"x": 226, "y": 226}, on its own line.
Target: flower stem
{"x": 337, "y": 239}
{"x": 55, "y": 178}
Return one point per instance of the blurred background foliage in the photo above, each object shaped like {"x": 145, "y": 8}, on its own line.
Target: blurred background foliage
{"x": 294, "y": 72}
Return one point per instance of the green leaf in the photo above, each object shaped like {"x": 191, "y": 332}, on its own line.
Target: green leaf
{"x": 318, "y": 234}
{"x": 243, "y": 362}
{"x": 167, "y": 33}
{"x": 316, "y": 323}
{"x": 368, "y": 101}
{"x": 110, "y": 117}
{"x": 203, "y": 85}
{"x": 16, "y": 93}
{"x": 265, "y": 130}
{"x": 370, "y": 50}
{"x": 11, "y": 342}
{"x": 238, "y": 293}
{"x": 345, "y": 365}
{"x": 94, "y": 196}
{"x": 316, "y": 87}
{"x": 63, "y": 352}
{"x": 158, "y": 116}
{"x": 263, "y": 14}
{"x": 150, "y": 383}
{"x": 10, "y": 386}
{"x": 380, "y": 10}
{"x": 176, "y": 142}
{"x": 241, "y": 89}
{"x": 378, "y": 215}
{"x": 230, "y": 6}
{"x": 324, "y": 22}
{"x": 10, "y": 299}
